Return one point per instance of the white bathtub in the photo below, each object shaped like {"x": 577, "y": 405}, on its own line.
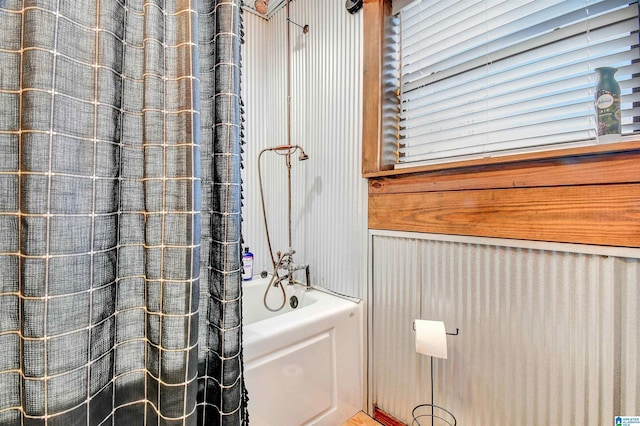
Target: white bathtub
{"x": 303, "y": 366}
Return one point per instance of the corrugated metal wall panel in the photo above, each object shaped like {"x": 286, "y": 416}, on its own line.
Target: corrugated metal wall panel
{"x": 542, "y": 337}
{"x": 329, "y": 219}
{"x": 630, "y": 350}
{"x": 396, "y": 305}
{"x": 263, "y": 93}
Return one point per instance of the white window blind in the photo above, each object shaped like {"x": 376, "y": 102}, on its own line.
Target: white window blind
{"x": 488, "y": 77}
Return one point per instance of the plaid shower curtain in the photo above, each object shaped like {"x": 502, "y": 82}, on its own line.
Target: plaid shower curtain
{"x": 120, "y": 126}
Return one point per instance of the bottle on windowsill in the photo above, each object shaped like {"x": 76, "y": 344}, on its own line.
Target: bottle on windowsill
{"x": 607, "y": 105}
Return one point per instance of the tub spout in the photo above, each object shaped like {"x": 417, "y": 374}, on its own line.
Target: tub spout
{"x": 307, "y": 276}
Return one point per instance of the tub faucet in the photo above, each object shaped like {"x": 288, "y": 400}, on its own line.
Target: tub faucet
{"x": 285, "y": 262}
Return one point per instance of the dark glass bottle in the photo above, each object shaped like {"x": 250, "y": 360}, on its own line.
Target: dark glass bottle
{"x": 608, "y": 102}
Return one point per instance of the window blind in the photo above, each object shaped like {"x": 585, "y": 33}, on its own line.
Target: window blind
{"x": 485, "y": 77}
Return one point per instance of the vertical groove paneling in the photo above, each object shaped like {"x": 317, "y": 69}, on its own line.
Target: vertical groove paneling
{"x": 395, "y": 307}
{"x": 546, "y": 337}
{"x": 630, "y": 350}
{"x": 264, "y": 93}
{"x": 329, "y": 219}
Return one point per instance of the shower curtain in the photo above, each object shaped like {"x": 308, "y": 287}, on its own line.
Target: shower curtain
{"x": 120, "y": 128}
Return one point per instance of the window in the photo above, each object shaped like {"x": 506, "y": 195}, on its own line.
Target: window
{"x": 486, "y": 78}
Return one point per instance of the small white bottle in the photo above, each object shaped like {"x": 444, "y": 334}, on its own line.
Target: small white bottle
{"x": 247, "y": 264}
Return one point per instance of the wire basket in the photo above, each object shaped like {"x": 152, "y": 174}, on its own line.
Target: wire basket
{"x": 432, "y": 415}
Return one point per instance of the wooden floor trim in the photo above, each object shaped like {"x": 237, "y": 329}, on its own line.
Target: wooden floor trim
{"x": 386, "y": 419}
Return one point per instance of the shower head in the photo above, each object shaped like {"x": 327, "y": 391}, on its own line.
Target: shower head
{"x": 288, "y": 150}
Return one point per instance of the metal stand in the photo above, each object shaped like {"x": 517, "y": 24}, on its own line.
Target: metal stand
{"x": 433, "y": 411}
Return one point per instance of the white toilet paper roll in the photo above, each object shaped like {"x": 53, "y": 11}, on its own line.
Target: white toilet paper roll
{"x": 431, "y": 338}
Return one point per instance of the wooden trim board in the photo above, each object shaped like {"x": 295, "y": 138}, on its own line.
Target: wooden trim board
{"x": 600, "y": 215}
{"x": 385, "y": 419}
{"x": 585, "y": 199}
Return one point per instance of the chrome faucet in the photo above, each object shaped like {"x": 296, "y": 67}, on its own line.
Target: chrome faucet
{"x": 285, "y": 262}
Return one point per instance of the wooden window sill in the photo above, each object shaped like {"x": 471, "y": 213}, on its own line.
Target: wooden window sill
{"x": 575, "y": 153}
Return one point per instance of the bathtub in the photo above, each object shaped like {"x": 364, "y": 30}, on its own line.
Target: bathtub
{"x": 303, "y": 365}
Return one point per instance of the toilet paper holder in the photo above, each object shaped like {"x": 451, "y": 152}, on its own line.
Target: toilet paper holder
{"x": 433, "y": 411}
{"x": 447, "y": 333}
